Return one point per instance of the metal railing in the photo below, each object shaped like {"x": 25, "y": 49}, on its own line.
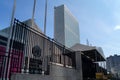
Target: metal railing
{"x": 25, "y": 57}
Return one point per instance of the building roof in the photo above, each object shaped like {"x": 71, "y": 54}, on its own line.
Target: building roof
{"x": 81, "y": 47}
{"x": 35, "y": 26}
{"x": 93, "y": 52}
{"x": 5, "y": 32}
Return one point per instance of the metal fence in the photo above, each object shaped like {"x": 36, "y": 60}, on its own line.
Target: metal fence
{"x": 32, "y": 52}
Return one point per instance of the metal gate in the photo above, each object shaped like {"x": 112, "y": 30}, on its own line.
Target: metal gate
{"x": 32, "y": 52}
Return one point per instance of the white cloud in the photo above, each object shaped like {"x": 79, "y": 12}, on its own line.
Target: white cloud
{"x": 117, "y": 27}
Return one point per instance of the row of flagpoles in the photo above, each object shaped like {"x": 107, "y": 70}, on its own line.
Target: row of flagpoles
{"x": 33, "y": 13}
{"x": 11, "y": 28}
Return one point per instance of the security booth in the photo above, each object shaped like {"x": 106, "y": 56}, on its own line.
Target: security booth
{"x": 93, "y": 60}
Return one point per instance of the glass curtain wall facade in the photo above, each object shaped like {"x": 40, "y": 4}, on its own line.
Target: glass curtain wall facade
{"x": 66, "y": 27}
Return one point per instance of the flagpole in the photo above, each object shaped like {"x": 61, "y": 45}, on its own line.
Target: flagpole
{"x": 33, "y": 13}
{"x": 45, "y": 17}
{"x": 11, "y": 25}
{"x": 6, "y": 72}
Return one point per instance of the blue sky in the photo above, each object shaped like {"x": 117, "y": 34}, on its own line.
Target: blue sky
{"x": 99, "y": 20}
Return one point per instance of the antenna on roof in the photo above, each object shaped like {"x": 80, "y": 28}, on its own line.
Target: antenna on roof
{"x": 87, "y": 42}
{"x": 90, "y": 44}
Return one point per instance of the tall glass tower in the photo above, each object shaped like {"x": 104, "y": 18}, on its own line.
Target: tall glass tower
{"x": 66, "y": 27}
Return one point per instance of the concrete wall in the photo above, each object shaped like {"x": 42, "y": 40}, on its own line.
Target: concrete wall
{"x": 57, "y": 73}
{"x": 79, "y": 66}
{"x": 30, "y": 77}
{"x": 62, "y": 73}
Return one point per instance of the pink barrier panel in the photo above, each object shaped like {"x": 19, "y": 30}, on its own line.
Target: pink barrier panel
{"x": 15, "y": 61}
{"x": 2, "y": 50}
{"x": 2, "y": 56}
